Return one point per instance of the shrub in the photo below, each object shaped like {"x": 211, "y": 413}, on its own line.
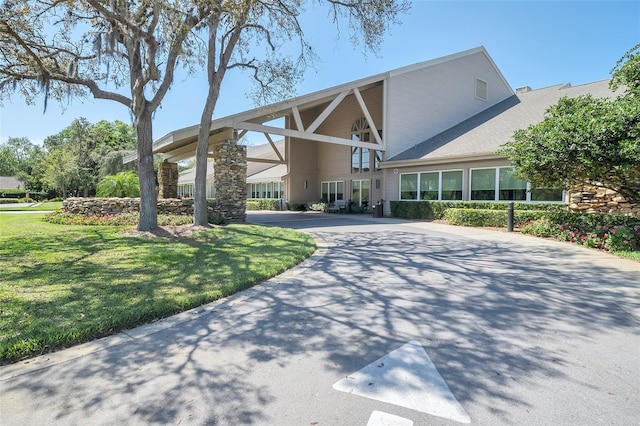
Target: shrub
{"x": 297, "y": 207}
{"x": 263, "y": 204}
{"x": 430, "y": 210}
{"x": 494, "y": 218}
{"x": 9, "y": 201}
{"x": 601, "y": 231}
{"x": 119, "y": 219}
{"x": 318, "y": 206}
{"x": 123, "y": 184}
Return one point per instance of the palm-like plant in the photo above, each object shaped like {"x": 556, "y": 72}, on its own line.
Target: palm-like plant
{"x": 123, "y": 184}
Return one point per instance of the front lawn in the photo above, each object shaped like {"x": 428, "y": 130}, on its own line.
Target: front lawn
{"x": 44, "y": 206}
{"x": 61, "y": 285}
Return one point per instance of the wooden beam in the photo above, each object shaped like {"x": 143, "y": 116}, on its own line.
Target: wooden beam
{"x": 367, "y": 115}
{"x": 328, "y": 110}
{"x": 306, "y": 135}
{"x": 273, "y": 145}
{"x": 265, "y": 160}
{"x": 297, "y": 118}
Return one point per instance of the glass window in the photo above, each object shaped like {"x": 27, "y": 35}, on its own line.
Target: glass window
{"x": 360, "y": 190}
{"x": 409, "y": 186}
{"x": 452, "y": 185}
{"x": 547, "y": 194}
{"x": 483, "y": 184}
{"x": 429, "y": 185}
{"x": 377, "y": 161}
{"x": 511, "y": 189}
{"x": 366, "y": 160}
{"x": 355, "y": 160}
{"x": 332, "y": 191}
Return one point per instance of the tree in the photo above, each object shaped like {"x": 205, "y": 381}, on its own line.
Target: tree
{"x": 80, "y": 47}
{"x": 232, "y": 28}
{"x": 96, "y": 148}
{"x": 586, "y": 139}
{"x": 123, "y": 184}
{"x": 60, "y": 170}
{"x": 19, "y": 157}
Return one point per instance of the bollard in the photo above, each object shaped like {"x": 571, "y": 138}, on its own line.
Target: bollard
{"x": 510, "y": 217}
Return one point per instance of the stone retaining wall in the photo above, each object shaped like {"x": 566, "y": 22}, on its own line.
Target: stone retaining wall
{"x": 102, "y": 206}
{"x": 590, "y": 199}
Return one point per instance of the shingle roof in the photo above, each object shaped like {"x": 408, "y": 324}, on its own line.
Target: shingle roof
{"x": 485, "y": 132}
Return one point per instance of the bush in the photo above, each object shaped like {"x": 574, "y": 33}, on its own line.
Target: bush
{"x": 493, "y": 218}
{"x": 263, "y": 204}
{"x": 601, "y": 231}
{"x": 297, "y": 207}
{"x": 318, "y": 206}
{"x": 9, "y": 201}
{"x": 430, "y": 210}
{"x": 119, "y": 219}
{"x": 123, "y": 184}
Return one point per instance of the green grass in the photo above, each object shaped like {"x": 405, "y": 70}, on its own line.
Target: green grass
{"x": 46, "y": 206}
{"x": 633, "y": 255}
{"x": 61, "y": 285}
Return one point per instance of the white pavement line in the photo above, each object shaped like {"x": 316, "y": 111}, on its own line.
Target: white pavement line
{"x": 378, "y": 418}
{"x": 406, "y": 377}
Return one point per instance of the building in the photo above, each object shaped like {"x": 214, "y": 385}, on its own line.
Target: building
{"x": 426, "y": 131}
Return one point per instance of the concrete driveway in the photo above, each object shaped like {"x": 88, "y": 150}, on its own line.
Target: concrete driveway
{"x": 389, "y": 323}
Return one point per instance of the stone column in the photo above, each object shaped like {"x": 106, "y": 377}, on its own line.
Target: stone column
{"x": 168, "y": 180}
{"x": 230, "y": 180}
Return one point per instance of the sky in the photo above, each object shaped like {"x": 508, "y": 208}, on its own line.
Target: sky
{"x": 533, "y": 43}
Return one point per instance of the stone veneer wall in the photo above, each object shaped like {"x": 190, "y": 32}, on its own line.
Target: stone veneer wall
{"x": 590, "y": 199}
{"x": 168, "y": 180}
{"x": 102, "y": 206}
{"x": 230, "y": 179}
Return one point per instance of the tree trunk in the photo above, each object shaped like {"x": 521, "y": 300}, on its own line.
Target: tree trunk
{"x": 148, "y": 199}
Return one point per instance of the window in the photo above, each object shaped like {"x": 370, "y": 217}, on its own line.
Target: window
{"x": 360, "y": 192}
{"x": 185, "y": 190}
{"x": 267, "y": 190}
{"x": 332, "y": 191}
{"x": 431, "y": 186}
{"x": 510, "y": 188}
{"x": 409, "y": 186}
{"x": 483, "y": 184}
{"x": 362, "y": 158}
{"x": 451, "y": 186}
{"x": 482, "y": 89}
{"x": 499, "y": 184}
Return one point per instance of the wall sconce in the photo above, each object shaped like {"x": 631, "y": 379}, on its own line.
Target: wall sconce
{"x": 306, "y": 184}
{"x": 377, "y": 183}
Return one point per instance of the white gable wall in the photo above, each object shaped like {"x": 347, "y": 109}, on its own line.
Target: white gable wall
{"x": 426, "y": 101}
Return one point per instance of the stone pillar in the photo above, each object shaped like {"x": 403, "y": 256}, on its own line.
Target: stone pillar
{"x": 230, "y": 180}
{"x": 168, "y": 180}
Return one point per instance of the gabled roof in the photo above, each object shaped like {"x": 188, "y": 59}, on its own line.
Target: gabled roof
{"x": 482, "y": 134}
{"x": 183, "y": 140}
{"x": 10, "y": 182}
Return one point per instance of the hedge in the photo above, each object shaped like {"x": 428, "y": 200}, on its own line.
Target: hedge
{"x": 430, "y": 210}
{"x": 485, "y": 217}
{"x": 263, "y": 204}
{"x": 9, "y": 200}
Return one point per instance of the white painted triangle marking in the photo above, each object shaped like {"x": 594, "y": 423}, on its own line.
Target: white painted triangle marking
{"x": 379, "y": 418}
{"x": 406, "y": 377}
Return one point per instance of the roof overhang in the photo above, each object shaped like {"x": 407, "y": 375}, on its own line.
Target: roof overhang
{"x": 439, "y": 160}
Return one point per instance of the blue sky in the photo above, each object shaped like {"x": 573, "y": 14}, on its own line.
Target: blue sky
{"x": 537, "y": 44}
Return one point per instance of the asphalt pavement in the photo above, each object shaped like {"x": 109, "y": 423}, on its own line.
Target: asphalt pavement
{"x": 390, "y": 322}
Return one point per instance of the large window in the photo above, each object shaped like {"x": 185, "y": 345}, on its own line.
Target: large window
{"x": 267, "y": 190}
{"x": 185, "y": 190}
{"x": 332, "y": 191}
{"x": 360, "y": 192}
{"x": 499, "y": 184}
{"x": 362, "y": 158}
{"x": 433, "y": 186}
